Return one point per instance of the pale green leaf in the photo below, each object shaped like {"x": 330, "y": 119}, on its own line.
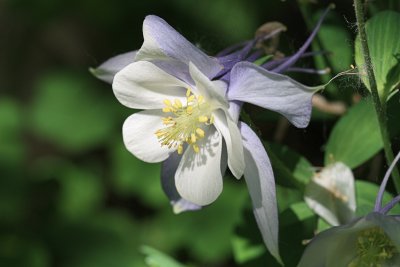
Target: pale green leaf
{"x": 383, "y": 32}
{"x": 156, "y": 258}
{"x": 70, "y": 113}
{"x": 366, "y": 193}
{"x": 355, "y": 137}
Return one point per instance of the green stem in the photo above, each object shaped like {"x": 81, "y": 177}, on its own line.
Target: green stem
{"x": 380, "y": 107}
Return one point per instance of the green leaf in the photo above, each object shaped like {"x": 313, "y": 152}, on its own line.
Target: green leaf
{"x": 383, "y": 32}
{"x": 287, "y": 196}
{"x": 297, "y": 224}
{"x": 247, "y": 244}
{"x": 300, "y": 167}
{"x": 70, "y": 113}
{"x": 132, "y": 176}
{"x": 237, "y": 22}
{"x": 14, "y": 195}
{"x": 155, "y": 258}
{"x": 244, "y": 250}
{"x": 335, "y": 38}
{"x": 366, "y": 193}
{"x": 81, "y": 191}
{"x": 355, "y": 137}
{"x": 12, "y": 149}
{"x": 102, "y": 240}
{"x": 322, "y": 225}
{"x": 196, "y": 232}
{"x": 17, "y": 251}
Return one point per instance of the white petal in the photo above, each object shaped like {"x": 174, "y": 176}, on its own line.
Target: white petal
{"x": 139, "y": 138}
{"x": 107, "y": 70}
{"x": 161, "y": 42}
{"x": 261, "y": 184}
{"x": 255, "y": 85}
{"x": 234, "y": 110}
{"x": 198, "y": 178}
{"x": 233, "y": 140}
{"x": 168, "y": 170}
{"x": 213, "y": 92}
{"x": 331, "y": 194}
{"x": 142, "y": 85}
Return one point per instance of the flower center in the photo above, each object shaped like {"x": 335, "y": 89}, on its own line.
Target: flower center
{"x": 374, "y": 248}
{"x": 185, "y": 123}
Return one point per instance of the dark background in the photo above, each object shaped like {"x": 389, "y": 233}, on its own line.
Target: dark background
{"x": 70, "y": 194}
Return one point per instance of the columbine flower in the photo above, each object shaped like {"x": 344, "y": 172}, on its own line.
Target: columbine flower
{"x": 372, "y": 240}
{"x": 190, "y": 121}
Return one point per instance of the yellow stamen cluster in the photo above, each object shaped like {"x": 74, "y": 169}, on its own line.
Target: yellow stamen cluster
{"x": 374, "y": 248}
{"x": 184, "y": 123}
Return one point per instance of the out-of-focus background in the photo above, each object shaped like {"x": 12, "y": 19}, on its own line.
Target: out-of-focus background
{"x": 70, "y": 194}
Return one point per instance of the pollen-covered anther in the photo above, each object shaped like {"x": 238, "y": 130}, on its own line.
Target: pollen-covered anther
{"x": 193, "y": 138}
{"x": 203, "y": 118}
{"x": 188, "y": 92}
{"x": 180, "y": 149}
{"x": 200, "y": 133}
{"x": 167, "y": 109}
{"x": 186, "y": 123}
{"x": 168, "y": 121}
{"x": 177, "y": 104}
{"x": 189, "y": 110}
{"x": 190, "y": 99}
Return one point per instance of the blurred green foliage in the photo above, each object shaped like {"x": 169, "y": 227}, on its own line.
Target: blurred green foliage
{"x": 70, "y": 193}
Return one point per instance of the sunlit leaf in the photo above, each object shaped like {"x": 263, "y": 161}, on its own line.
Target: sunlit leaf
{"x": 355, "y": 137}
{"x": 300, "y": 167}
{"x": 68, "y": 111}
{"x": 382, "y": 34}
{"x": 287, "y": 196}
{"x": 155, "y": 258}
{"x": 244, "y": 250}
{"x": 81, "y": 192}
{"x": 366, "y": 193}
{"x": 11, "y": 123}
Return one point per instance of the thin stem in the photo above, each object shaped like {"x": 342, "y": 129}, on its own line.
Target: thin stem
{"x": 317, "y": 44}
{"x": 379, "y": 198}
{"x": 380, "y": 107}
{"x": 391, "y": 205}
{"x": 293, "y": 59}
